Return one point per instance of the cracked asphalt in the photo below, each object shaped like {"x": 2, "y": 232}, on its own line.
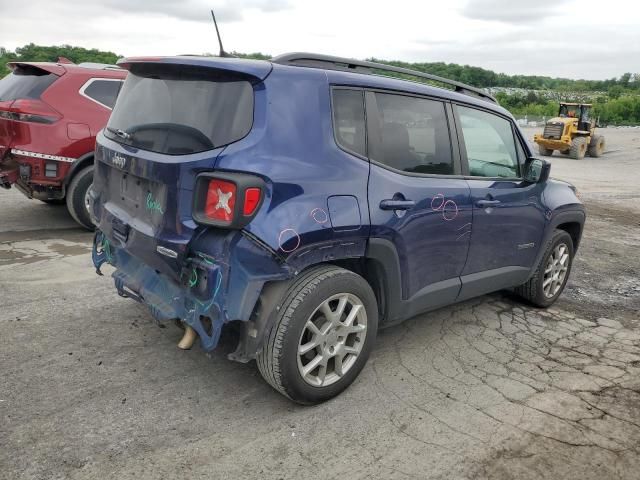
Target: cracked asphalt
{"x": 489, "y": 388}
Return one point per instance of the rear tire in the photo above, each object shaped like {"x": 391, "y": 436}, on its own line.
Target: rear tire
{"x": 547, "y": 152}
{"x": 596, "y": 146}
{"x": 578, "y": 148}
{"x": 308, "y": 332}
{"x": 551, "y": 275}
{"x": 77, "y": 197}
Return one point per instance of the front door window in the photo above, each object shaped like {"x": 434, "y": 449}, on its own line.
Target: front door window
{"x": 489, "y": 143}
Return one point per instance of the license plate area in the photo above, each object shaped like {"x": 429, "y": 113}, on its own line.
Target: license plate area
{"x": 133, "y": 189}
{"x": 139, "y": 197}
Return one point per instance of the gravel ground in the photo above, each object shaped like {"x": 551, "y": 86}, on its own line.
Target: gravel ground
{"x": 489, "y": 388}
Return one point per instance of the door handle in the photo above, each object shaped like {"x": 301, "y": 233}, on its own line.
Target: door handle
{"x": 390, "y": 204}
{"x": 487, "y": 203}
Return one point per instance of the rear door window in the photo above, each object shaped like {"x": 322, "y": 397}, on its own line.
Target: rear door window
{"x": 25, "y": 82}
{"x": 348, "y": 120}
{"x": 104, "y": 91}
{"x": 414, "y": 135}
{"x": 181, "y": 111}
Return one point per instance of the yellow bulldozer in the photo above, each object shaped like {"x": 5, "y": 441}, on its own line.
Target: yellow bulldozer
{"x": 572, "y": 133}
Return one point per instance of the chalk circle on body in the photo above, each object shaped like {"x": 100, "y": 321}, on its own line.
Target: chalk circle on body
{"x": 284, "y": 237}
{"x": 319, "y": 215}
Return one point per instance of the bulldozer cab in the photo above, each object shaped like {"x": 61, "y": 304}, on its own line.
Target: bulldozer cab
{"x": 581, "y": 111}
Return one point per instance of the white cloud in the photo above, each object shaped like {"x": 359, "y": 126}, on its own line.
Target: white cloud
{"x": 196, "y": 10}
{"x": 513, "y": 11}
{"x": 569, "y": 38}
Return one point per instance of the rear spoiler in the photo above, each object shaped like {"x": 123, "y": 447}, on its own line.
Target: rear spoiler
{"x": 49, "y": 67}
{"x": 258, "y": 69}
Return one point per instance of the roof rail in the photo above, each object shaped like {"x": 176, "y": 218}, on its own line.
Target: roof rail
{"x": 330, "y": 62}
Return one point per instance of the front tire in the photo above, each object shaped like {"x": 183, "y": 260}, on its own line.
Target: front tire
{"x": 551, "y": 275}
{"x": 578, "y": 148}
{"x": 547, "y": 152}
{"x": 596, "y": 146}
{"x": 78, "y": 197}
{"x": 323, "y": 334}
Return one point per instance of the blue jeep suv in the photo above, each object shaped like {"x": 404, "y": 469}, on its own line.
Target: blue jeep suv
{"x": 311, "y": 200}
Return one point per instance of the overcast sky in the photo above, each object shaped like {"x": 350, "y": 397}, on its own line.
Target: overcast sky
{"x": 566, "y": 38}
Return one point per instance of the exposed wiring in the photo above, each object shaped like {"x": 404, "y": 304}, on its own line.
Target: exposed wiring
{"x": 194, "y": 278}
{"x": 203, "y": 257}
{"x": 106, "y": 248}
{"x": 218, "y": 284}
{"x": 215, "y": 293}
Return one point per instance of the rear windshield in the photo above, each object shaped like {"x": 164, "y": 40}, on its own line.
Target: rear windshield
{"x": 181, "y": 111}
{"x": 25, "y": 82}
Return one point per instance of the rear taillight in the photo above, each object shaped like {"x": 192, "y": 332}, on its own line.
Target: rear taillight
{"x": 29, "y": 110}
{"x": 221, "y": 200}
{"x": 227, "y": 199}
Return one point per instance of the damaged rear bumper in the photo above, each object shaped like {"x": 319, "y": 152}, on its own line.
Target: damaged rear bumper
{"x": 8, "y": 178}
{"x": 9, "y": 173}
{"x": 191, "y": 303}
{"x": 212, "y": 289}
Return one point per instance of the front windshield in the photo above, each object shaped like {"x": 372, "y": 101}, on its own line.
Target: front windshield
{"x": 571, "y": 111}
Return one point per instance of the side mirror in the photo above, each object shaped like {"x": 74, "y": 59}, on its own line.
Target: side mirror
{"x": 536, "y": 170}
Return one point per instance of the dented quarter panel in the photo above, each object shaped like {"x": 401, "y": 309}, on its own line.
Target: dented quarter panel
{"x": 292, "y": 148}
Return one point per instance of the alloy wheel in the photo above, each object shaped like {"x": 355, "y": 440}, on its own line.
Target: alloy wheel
{"x": 556, "y": 270}
{"x": 332, "y": 339}
{"x": 87, "y": 201}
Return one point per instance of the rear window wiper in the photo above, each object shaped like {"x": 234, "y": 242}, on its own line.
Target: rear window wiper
{"x": 120, "y": 133}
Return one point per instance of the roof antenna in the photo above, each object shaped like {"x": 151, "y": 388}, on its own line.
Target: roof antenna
{"x": 222, "y": 52}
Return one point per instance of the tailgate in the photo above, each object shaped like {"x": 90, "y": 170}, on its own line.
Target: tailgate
{"x": 27, "y": 81}
{"x": 142, "y": 201}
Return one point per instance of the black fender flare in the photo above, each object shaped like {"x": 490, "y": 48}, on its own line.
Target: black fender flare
{"x": 558, "y": 218}
{"x": 255, "y": 330}
{"x": 384, "y": 263}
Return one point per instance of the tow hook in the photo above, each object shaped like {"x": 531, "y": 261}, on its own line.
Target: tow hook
{"x": 188, "y": 338}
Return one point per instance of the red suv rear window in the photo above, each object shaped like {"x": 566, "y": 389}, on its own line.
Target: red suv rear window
{"x": 25, "y": 82}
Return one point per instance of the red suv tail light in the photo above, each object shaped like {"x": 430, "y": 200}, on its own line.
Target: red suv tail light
{"x": 29, "y": 110}
{"x": 227, "y": 199}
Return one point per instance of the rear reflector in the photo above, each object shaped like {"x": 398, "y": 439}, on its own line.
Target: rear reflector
{"x": 221, "y": 200}
{"x": 251, "y": 201}
{"x": 51, "y": 170}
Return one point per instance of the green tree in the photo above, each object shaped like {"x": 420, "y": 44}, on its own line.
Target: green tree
{"x": 39, "y": 53}
{"x": 616, "y": 91}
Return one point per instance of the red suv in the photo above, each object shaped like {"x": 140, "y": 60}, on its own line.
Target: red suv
{"x": 50, "y": 114}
